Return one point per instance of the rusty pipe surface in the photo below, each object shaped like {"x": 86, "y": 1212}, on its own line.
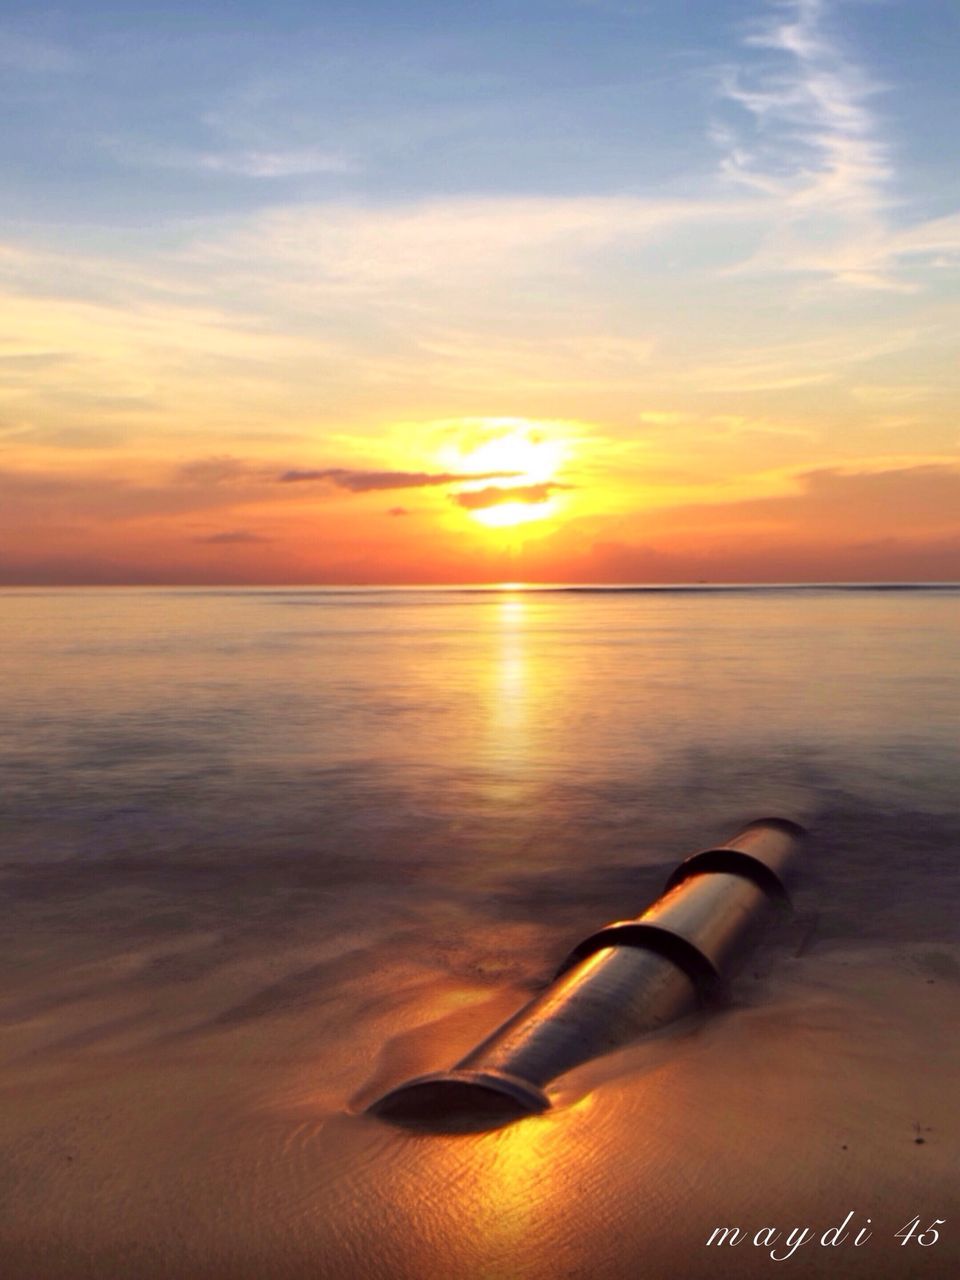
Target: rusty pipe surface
{"x": 623, "y": 981}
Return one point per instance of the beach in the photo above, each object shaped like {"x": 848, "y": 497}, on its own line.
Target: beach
{"x": 269, "y": 853}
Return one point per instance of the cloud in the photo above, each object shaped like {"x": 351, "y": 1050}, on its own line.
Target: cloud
{"x": 884, "y": 394}
{"x": 935, "y": 236}
{"x": 815, "y": 140}
{"x": 813, "y": 147}
{"x": 295, "y": 163}
{"x": 807, "y": 362}
{"x": 232, "y": 537}
{"x": 398, "y": 511}
{"x": 372, "y": 481}
{"x": 444, "y": 243}
{"x": 814, "y": 150}
{"x": 901, "y": 499}
{"x": 265, "y": 162}
{"x": 583, "y": 360}
{"x": 718, "y": 425}
{"x": 495, "y": 496}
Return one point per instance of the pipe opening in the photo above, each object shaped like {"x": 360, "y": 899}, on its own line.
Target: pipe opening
{"x": 460, "y": 1102}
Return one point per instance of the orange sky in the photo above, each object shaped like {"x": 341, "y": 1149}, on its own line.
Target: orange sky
{"x": 724, "y": 351}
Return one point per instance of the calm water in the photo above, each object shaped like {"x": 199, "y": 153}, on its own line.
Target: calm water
{"x": 268, "y": 853}
{"x": 487, "y": 745}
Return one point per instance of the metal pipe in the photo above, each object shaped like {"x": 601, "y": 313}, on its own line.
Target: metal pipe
{"x": 621, "y": 982}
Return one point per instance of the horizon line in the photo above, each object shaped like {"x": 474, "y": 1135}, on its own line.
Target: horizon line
{"x": 693, "y": 585}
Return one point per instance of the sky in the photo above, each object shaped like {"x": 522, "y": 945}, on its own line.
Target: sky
{"x": 418, "y": 292}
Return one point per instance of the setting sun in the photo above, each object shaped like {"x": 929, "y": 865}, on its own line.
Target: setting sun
{"x": 525, "y": 460}
{"x": 523, "y": 448}
{"x": 507, "y": 514}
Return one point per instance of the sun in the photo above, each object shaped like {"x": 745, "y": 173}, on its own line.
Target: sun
{"x": 507, "y": 514}
{"x": 516, "y": 464}
{"x": 525, "y": 450}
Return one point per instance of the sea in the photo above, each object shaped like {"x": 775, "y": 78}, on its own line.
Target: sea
{"x": 256, "y": 843}
{"x": 475, "y": 735}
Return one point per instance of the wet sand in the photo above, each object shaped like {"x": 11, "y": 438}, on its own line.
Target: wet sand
{"x": 183, "y": 1084}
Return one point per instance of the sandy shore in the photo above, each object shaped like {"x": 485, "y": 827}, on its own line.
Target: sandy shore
{"x": 167, "y": 1118}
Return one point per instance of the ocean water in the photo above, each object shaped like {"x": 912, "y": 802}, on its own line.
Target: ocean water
{"x": 268, "y": 851}
{"x": 495, "y": 750}
{"x": 460, "y": 739}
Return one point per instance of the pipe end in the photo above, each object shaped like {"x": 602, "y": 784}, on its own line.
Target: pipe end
{"x": 460, "y": 1101}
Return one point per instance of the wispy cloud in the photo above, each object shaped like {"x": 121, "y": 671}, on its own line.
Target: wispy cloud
{"x": 815, "y": 140}
{"x": 448, "y": 242}
{"x": 813, "y": 146}
{"x": 233, "y": 161}
{"x": 373, "y": 481}
{"x": 716, "y": 425}
{"x": 885, "y": 394}
{"x": 295, "y": 163}
{"x": 807, "y": 362}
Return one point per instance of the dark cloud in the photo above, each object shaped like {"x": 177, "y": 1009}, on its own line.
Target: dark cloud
{"x": 496, "y": 495}
{"x": 371, "y": 481}
{"x": 231, "y": 537}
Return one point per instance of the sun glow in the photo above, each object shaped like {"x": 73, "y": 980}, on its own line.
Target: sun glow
{"x": 506, "y": 514}
{"x": 525, "y": 450}
{"x": 524, "y": 461}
